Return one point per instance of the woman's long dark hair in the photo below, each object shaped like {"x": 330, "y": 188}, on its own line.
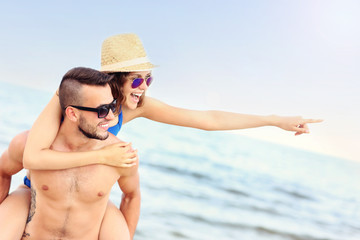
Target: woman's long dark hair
{"x": 117, "y": 85}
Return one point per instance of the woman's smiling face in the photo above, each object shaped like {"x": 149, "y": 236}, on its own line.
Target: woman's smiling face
{"x": 132, "y": 95}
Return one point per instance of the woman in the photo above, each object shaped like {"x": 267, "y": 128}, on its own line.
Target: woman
{"x": 124, "y": 57}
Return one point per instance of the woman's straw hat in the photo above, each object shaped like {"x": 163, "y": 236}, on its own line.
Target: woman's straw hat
{"x": 124, "y": 53}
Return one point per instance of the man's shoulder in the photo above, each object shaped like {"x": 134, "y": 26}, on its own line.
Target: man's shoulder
{"x": 112, "y": 139}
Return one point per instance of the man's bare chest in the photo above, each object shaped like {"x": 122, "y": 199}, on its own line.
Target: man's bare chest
{"x": 88, "y": 183}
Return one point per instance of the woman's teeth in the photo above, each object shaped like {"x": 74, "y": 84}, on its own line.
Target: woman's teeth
{"x": 136, "y": 95}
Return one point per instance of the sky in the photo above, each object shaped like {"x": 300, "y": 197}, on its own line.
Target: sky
{"x": 259, "y": 57}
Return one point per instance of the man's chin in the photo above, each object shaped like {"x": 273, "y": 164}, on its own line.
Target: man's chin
{"x": 94, "y": 135}
{"x": 102, "y": 138}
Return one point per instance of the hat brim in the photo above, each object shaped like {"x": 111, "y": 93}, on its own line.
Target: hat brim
{"x": 136, "y": 68}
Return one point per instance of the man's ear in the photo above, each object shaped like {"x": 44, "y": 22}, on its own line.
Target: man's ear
{"x": 72, "y": 114}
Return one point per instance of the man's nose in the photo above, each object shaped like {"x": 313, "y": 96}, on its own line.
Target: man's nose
{"x": 110, "y": 116}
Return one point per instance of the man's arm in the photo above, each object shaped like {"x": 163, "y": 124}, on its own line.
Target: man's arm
{"x": 130, "y": 202}
{"x": 11, "y": 162}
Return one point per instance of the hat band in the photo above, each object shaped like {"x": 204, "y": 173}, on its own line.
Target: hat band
{"x": 123, "y": 64}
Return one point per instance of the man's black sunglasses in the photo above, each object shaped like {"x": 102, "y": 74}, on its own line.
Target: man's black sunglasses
{"x": 102, "y": 111}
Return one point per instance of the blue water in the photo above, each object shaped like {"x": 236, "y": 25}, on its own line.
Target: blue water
{"x": 216, "y": 185}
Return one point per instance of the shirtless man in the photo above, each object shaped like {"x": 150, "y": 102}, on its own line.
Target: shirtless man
{"x": 71, "y": 203}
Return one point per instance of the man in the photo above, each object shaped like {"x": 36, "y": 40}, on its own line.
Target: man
{"x": 71, "y": 203}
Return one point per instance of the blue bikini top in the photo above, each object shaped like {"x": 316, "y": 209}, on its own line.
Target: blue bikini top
{"x": 116, "y": 129}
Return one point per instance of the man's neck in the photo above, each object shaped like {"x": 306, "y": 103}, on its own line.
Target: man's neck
{"x": 70, "y": 138}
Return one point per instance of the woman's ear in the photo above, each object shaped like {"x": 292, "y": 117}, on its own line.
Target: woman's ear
{"x": 72, "y": 114}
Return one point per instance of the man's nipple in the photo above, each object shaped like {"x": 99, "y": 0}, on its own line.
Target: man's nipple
{"x": 44, "y": 187}
{"x": 100, "y": 194}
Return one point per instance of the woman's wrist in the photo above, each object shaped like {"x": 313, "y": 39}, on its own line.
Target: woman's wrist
{"x": 272, "y": 120}
{"x": 101, "y": 156}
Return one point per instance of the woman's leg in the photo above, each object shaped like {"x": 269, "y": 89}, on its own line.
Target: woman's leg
{"x": 14, "y": 211}
{"x": 114, "y": 226}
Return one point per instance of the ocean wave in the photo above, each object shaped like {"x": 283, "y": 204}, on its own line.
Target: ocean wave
{"x": 179, "y": 171}
{"x": 236, "y": 192}
{"x": 259, "y": 230}
{"x": 295, "y": 194}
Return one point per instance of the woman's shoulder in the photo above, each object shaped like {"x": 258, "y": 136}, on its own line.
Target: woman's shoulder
{"x": 130, "y": 114}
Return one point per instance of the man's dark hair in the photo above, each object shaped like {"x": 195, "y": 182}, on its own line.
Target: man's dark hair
{"x": 71, "y": 84}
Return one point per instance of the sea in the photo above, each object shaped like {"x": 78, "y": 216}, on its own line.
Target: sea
{"x": 218, "y": 185}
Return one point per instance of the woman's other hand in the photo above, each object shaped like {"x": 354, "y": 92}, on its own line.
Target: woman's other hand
{"x": 296, "y": 124}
